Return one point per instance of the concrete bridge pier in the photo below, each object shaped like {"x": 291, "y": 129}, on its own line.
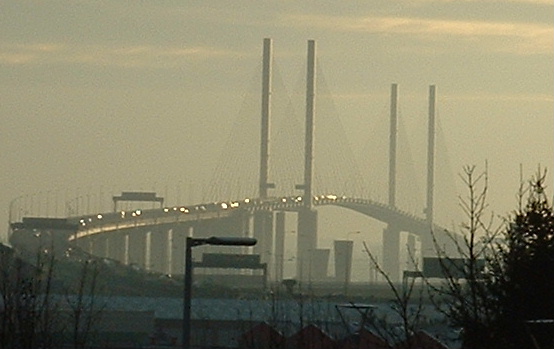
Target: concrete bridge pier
{"x": 97, "y": 245}
{"x": 78, "y": 243}
{"x": 411, "y": 252}
{"x": 279, "y": 252}
{"x": 263, "y": 232}
{"x": 84, "y": 244}
{"x": 306, "y": 244}
{"x": 116, "y": 247}
{"x": 391, "y": 252}
{"x": 136, "y": 247}
{"x": 159, "y": 249}
{"x": 178, "y": 240}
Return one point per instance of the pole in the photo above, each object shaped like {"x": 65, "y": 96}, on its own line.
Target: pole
{"x": 187, "y": 293}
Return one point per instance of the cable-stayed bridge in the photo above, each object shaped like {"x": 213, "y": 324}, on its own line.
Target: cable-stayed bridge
{"x": 154, "y": 238}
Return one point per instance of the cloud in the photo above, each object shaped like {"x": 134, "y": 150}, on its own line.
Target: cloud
{"x": 520, "y": 38}
{"x": 16, "y": 54}
{"x": 121, "y": 56}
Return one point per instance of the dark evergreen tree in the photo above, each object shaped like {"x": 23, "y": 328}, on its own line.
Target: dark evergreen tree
{"x": 524, "y": 280}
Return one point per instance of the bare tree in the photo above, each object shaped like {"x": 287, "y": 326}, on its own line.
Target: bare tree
{"x": 502, "y": 290}
{"x": 32, "y": 309}
{"x": 465, "y": 296}
{"x": 84, "y": 310}
{"x": 28, "y": 317}
{"x": 407, "y": 304}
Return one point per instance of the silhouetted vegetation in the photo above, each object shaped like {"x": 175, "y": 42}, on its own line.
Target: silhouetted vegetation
{"x": 508, "y": 303}
{"x": 501, "y": 294}
{"x": 522, "y": 274}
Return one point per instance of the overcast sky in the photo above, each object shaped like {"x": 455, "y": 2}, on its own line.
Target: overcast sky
{"x": 103, "y": 96}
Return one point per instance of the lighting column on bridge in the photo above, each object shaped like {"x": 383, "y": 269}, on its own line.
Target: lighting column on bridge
{"x": 190, "y": 243}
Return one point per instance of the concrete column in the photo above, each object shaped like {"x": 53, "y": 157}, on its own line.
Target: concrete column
{"x": 279, "y": 246}
{"x": 159, "y": 246}
{"x": 148, "y": 251}
{"x": 107, "y": 246}
{"x": 266, "y": 114}
{"x": 126, "y": 249}
{"x": 431, "y": 156}
{"x": 116, "y": 246}
{"x": 412, "y": 253}
{"x": 178, "y": 249}
{"x": 95, "y": 246}
{"x": 263, "y": 232}
{"x": 80, "y": 243}
{"x": 392, "y": 144}
{"x": 343, "y": 262}
{"x": 136, "y": 252}
{"x": 90, "y": 245}
{"x": 309, "y": 129}
{"x": 391, "y": 252}
{"x": 98, "y": 247}
{"x": 319, "y": 264}
{"x": 306, "y": 243}
{"x": 170, "y": 233}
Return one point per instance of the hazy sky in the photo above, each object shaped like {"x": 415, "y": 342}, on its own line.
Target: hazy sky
{"x": 98, "y": 96}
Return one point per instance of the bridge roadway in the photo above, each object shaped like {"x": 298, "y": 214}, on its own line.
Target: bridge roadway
{"x": 125, "y": 235}
{"x": 102, "y": 223}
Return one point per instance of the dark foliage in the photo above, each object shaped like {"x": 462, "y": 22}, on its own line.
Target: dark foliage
{"x": 510, "y": 302}
{"x": 524, "y": 279}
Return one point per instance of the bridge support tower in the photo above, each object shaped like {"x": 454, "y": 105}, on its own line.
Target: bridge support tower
{"x": 391, "y": 252}
{"x": 279, "y": 246}
{"x": 306, "y": 244}
{"x": 136, "y": 247}
{"x": 178, "y": 241}
{"x": 116, "y": 248}
{"x": 263, "y": 232}
{"x": 159, "y": 249}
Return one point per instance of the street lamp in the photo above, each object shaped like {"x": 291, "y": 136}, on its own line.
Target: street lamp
{"x": 193, "y": 242}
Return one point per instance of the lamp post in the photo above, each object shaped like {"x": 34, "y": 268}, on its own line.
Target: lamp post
{"x": 193, "y": 242}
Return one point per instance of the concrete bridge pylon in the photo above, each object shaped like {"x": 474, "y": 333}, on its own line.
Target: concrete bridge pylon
{"x": 263, "y": 233}
{"x": 391, "y": 234}
{"x": 306, "y": 245}
{"x": 307, "y": 217}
